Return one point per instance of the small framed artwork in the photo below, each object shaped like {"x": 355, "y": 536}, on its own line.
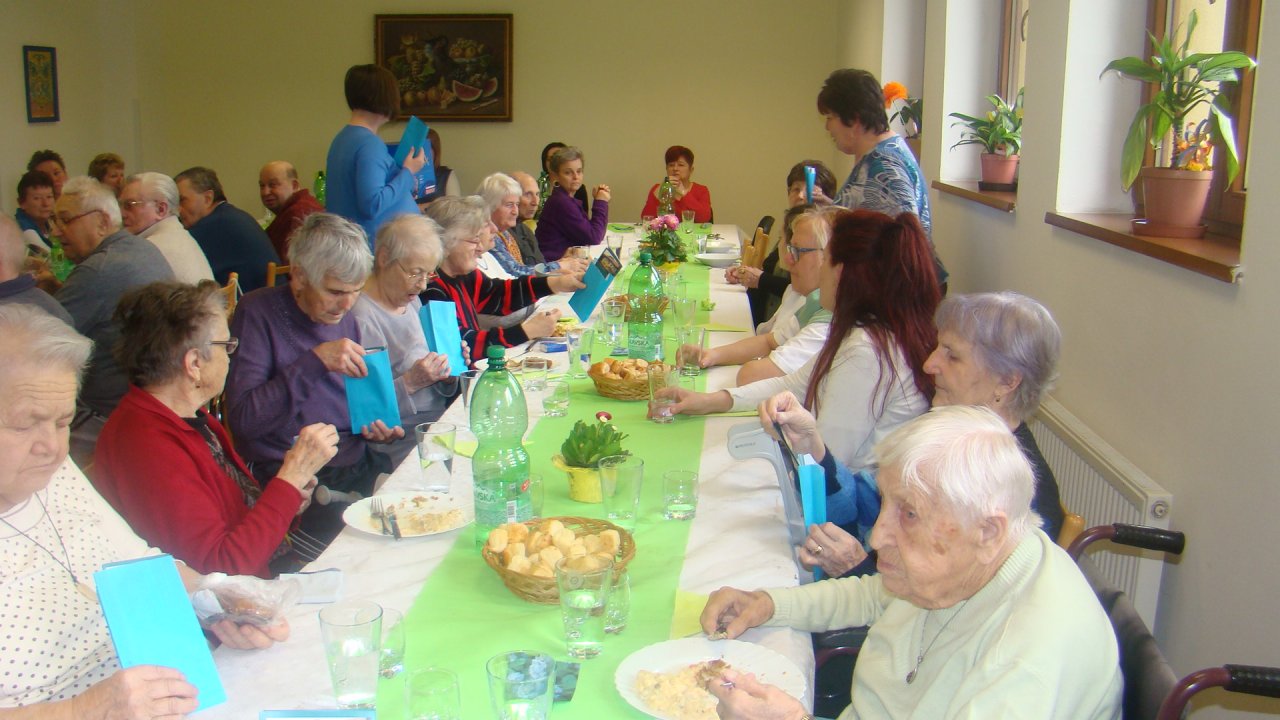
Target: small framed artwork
{"x": 40, "y": 70}
{"x": 448, "y": 67}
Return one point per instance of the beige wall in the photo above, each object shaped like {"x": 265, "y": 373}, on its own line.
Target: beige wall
{"x": 1176, "y": 370}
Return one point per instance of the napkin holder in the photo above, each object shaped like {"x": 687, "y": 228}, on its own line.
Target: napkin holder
{"x": 748, "y": 441}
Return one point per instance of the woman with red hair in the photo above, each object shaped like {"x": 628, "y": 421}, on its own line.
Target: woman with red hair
{"x": 879, "y": 283}
{"x": 687, "y": 194}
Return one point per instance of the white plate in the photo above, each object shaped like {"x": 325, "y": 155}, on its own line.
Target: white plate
{"x": 721, "y": 248}
{"x": 717, "y": 260}
{"x": 767, "y": 665}
{"x": 408, "y": 504}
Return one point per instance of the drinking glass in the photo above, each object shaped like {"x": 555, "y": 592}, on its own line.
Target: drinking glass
{"x": 520, "y": 685}
{"x": 620, "y": 480}
{"x": 533, "y": 373}
{"x": 578, "y": 252}
{"x": 684, "y": 310}
{"x": 555, "y": 401}
{"x": 618, "y": 606}
{"x": 352, "y": 635}
{"x": 432, "y": 694}
{"x": 691, "y": 341}
{"x": 583, "y": 596}
{"x": 436, "y": 442}
{"x": 579, "y": 340}
{"x": 614, "y": 311}
{"x": 662, "y": 377}
{"x": 679, "y": 494}
{"x": 391, "y": 657}
{"x": 686, "y": 216}
{"x": 468, "y": 381}
{"x": 537, "y": 494}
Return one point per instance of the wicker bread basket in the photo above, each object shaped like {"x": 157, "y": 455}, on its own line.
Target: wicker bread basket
{"x": 620, "y": 389}
{"x": 543, "y": 590}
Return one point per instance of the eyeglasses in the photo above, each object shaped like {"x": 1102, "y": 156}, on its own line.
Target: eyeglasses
{"x": 64, "y": 222}
{"x": 796, "y": 252}
{"x": 131, "y": 204}
{"x": 230, "y": 344}
{"x": 416, "y": 275}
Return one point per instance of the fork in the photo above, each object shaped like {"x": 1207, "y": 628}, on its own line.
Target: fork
{"x": 376, "y": 511}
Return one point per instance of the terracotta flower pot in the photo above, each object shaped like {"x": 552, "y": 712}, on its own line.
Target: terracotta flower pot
{"x": 1173, "y": 202}
{"x": 999, "y": 169}
{"x": 584, "y": 482}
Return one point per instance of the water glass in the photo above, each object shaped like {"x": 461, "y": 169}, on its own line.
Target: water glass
{"x": 660, "y": 378}
{"x": 579, "y": 252}
{"x": 620, "y": 480}
{"x": 679, "y": 494}
{"x": 537, "y": 494}
{"x": 683, "y": 310}
{"x": 555, "y": 401}
{"x": 583, "y": 596}
{"x": 533, "y": 373}
{"x": 614, "y": 311}
{"x": 520, "y": 685}
{"x": 391, "y": 657}
{"x": 432, "y": 694}
{"x": 691, "y": 341}
{"x": 436, "y": 442}
{"x": 467, "y": 380}
{"x": 580, "y": 340}
{"x": 352, "y": 635}
{"x": 686, "y": 216}
{"x": 618, "y": 606}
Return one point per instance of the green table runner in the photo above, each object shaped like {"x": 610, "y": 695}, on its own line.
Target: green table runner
{"x": 464, "y": 614}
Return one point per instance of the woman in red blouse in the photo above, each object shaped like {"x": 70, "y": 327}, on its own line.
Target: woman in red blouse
{"x": 689, "y": 195}
{"x": 467, "y": 233}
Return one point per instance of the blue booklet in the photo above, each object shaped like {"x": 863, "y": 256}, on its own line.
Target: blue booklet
{"x": 415, "y": 138}
{"x": 813, "y": 495}
{"x": 373, "y": 397}
{"x": 152, "y": 622}
{"x": 440, "y": 324}
{"x": 597, "y": 279}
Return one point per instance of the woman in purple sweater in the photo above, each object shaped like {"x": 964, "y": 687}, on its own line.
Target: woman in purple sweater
{"x": 564, "y": 223}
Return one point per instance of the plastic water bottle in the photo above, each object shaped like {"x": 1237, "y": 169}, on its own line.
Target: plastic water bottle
{"x": 544, "y": 192}
{"x": 318, "y": 189}
{"x": 666, "y": 194}
{"x": 500, "y": 466}
{"x": 644, "y": 316}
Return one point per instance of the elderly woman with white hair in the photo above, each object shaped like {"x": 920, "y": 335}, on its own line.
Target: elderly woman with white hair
{"x": 465, "y": 235}
{"x": 999, "y": 350}
{"x": 56, "y": 656}
{"x": 406, "y": 254}
{"x": 297, "y": 343}
{"x": 501, "y": 195}
{"x": 975, "y": 612}
{"x": 149, "y": 208}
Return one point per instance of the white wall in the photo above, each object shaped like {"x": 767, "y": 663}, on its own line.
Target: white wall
{"x": 1176, "y": 370}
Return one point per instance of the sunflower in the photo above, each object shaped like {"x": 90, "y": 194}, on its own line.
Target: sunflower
{"x": 894, "y": 91}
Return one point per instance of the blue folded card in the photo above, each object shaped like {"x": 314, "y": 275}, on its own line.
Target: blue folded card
{"x": 152, "y": 622}
{"x": 415, "y": 138}
{"x": 439, "y": 320}
{"x": 813, "y": 495}
{"x": 597, "y": 279}
{"x": 373, "y": 397}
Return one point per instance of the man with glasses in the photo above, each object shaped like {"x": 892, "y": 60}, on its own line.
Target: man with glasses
{"x": 109, "y": 261}
{"x": 283, "y": 195}
{"x": 149, "y": 208}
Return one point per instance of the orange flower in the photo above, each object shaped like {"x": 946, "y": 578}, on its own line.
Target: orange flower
{"x": 894, "y": 91}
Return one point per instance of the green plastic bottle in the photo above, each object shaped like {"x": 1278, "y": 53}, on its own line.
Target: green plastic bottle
{"x": 544, "y": 192}
{"x": 318, "y": 189}
{"x": 666, "y": 195}
{"x": 644, "y": 316}
{"x": 500, "y": 465}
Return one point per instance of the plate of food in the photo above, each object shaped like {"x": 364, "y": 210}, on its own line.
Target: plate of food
{"x": 417, "y": 513}
{"x": 665, "y": 680}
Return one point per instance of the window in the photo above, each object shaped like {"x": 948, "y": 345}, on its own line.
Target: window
{"x": 1013, "y": 48}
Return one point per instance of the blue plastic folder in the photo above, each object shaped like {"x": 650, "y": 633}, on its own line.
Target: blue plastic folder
{"x": 152, "y": 622}
{"x": 373, "y": 397}
{"x": 813, "y": 495}
{"x": 439, "y": 320}
{"x": 415, "y": 138}
{"x": 597, "y": 280}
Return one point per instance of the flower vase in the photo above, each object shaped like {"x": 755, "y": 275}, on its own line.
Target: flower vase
{"x": 584, "y": 482}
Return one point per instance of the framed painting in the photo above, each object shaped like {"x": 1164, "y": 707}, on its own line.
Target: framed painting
{"x": 40, "y": 71}
{"x": 449, "y": 67}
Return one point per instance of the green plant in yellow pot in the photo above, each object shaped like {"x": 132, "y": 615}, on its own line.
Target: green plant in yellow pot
{"x": 580, "y": 457}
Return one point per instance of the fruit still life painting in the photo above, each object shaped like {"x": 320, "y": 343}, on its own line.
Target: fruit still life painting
{"x": 448, "y": 67}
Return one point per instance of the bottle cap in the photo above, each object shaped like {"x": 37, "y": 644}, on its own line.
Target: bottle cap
{"x": 646, "y": 257}
{"x": 495, "y": 352}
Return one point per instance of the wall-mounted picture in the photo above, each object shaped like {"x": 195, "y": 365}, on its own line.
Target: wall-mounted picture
{"x": 40, "y": 68}
{"x": 449, "y": 67}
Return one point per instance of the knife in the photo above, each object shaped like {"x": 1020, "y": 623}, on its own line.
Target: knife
{"x": 395, "y": 526}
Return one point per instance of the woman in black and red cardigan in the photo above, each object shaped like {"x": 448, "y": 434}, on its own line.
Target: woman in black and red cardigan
{"x": 467, "y": 234}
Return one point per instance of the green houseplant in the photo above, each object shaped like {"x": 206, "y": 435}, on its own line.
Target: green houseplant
{"x": 580, "y": 455}
{"x": 1000, "y": 135}
{"x": 1182, "y": 82}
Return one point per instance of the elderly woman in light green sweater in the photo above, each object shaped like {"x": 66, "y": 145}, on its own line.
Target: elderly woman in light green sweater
{"x": 976, "y": 613}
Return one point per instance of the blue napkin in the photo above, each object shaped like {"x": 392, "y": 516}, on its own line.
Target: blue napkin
{"x": 373, "y": 397}
{"x": 439, "y": 320}
{"x": 152, "y": 622}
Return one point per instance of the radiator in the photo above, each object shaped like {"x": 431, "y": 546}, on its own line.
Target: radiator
{"x": 1097, "y": 482}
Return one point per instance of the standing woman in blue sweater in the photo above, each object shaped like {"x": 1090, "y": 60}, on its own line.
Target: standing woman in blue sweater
{"x": 364, "y": 183}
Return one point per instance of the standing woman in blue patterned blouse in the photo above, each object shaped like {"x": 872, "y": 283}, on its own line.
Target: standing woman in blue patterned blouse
{"x": 886, "y": 177}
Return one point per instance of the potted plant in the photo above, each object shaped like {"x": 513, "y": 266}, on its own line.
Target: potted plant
{"x": 580, "y": 455}
{"x": 1175, "y": 189}
{"x": 999, "y": 134}
{"x": 662, "y": 241}
{"x": 910, "y": 114}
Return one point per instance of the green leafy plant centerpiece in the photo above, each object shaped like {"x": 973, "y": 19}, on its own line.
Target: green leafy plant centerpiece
{"x": 580, "y": 455}
{"x": 999, "y": 132}
{"x": 662, "y": 241}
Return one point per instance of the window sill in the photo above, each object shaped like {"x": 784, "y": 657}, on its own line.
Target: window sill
{"x": 1003, "y": 201}
{"x": 1215, "y": 256}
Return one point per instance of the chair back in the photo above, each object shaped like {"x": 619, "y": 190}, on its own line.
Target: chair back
{"x": 1072, "y": 526}
{"x": 273, "y": 271}
{"x": 232, "y": 292}
{"x": 766, "y": 224}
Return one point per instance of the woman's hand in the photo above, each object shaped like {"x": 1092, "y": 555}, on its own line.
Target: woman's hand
{"x": 731, "y": 612}
{"x": 540, "y": 324}
{"x": 415, "y": 161}
{"x": 429, "y": 370}
{"x": 707, "y": 357}
{"x": 343, "y": 355}
{"x": 574, "y": 266}
{"x": 748, "y": 276}
{"x": 689, "y": 402}
{"x": 601, "y": 192}
{"x": 315, "y": 447}
{"x": 250, "y": 637}
{"x": 797, "y": 423}
{"x": 832, "y": 549}
{"x": 379, "y": 432}
{"x": 565, "y": 282}
{"x": 141, "y": 692}
{"x": 742, "y": 697}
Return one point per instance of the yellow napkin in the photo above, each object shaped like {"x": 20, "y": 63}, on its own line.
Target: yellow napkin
{"x": 754, "y": 412}
{"x": 684, "y": 619}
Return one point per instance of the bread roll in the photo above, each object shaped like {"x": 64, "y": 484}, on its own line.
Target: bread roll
{"x": 517, "y": 532}
{"x": 610, "y": 541}
{"x": 550, "y": 555}
{"x": 592, "y": 543}
{"x": 513, "y": 550}
{"x": 498, "y": 539}
{"x": 520, "y": 564}
{"x": 537, "y": 541}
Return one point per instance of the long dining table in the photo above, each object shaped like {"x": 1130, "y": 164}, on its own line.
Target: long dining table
{"x": 457, "y": 612}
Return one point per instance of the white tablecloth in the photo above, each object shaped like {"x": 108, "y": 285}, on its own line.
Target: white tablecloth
{"x": 743, "y": 544}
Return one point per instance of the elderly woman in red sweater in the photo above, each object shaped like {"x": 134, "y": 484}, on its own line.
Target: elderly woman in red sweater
{"x": 167, "y": 465}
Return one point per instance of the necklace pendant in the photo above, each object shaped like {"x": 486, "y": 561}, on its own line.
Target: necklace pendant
{"x": 87, "y": 591}
{"x": 911, "y": 677}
